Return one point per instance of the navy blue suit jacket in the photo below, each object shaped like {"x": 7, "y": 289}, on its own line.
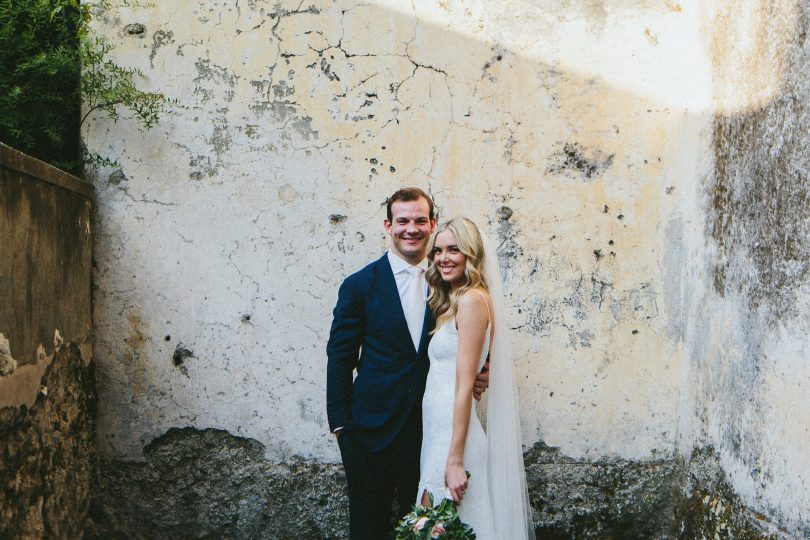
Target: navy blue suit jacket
{"x": 370, "y": 334}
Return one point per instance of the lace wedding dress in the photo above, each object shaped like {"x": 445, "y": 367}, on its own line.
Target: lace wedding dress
{"x": 437, "y": 428}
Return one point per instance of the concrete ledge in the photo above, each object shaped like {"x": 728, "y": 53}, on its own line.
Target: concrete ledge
{"x": 23, "y": 163}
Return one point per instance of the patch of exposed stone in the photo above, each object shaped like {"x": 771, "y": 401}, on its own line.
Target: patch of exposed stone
{"x": 47, "y": 453}
{"x": 711, "y": 509}
{"x": 608, "y": 498}
{"x": 211, "y": 484}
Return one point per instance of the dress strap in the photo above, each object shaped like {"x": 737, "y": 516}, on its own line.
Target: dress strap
{"x": 489, "y": 318}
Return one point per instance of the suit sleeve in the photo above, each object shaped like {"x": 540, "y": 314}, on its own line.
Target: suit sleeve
{"x": 342, "y": 351}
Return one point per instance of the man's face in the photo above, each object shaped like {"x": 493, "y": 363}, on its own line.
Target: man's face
{"x": 410, "y": 229}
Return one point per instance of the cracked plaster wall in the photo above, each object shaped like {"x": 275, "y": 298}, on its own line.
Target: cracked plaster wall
{"x": 229, "y": 227}
{"x": 580, "y": 134}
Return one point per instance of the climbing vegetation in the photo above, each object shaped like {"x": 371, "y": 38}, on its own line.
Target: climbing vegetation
{"x": 51, "y": 63}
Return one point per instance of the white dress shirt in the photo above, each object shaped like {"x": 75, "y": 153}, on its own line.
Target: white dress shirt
{"x": 413, "y": 302}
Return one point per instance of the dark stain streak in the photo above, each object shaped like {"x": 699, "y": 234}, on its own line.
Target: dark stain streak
{"x": 159, "y": 39}
{"x": 179, "y": 357}
{"x": 509, "y": 250}
{"x": 761, "y": 195}
{"x": 504, "y": 213}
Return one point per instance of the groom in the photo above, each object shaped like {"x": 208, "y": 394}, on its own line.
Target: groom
{"x": 381, "y": 329}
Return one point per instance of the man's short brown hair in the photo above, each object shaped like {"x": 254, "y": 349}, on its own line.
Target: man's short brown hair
{"x": 408, "y": 194}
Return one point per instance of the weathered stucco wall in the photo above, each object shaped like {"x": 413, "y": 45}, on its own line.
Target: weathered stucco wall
{"x": 581, "y": 135}
{"x": 47, "y": 387}
{"x": 229, "y": 228}
{"x": 750, "y": 359}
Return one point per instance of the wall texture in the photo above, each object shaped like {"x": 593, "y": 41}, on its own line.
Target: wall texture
{"x": 47, "y": 387}
{"x": 605, "y": 144}
{"x": 750, "y": 369}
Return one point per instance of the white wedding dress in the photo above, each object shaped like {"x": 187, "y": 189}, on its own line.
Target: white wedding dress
{"x": 437, "y": 428}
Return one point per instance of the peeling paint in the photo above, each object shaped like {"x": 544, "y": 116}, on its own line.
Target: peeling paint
{"x": 7, "y": 362}
{"x": 574, "y": 160}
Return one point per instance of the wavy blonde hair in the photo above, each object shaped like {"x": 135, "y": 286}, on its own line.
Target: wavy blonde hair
{"x": 443, "y": 301}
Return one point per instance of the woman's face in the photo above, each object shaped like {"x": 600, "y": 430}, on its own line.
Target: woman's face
{"x": 449, "y": 259}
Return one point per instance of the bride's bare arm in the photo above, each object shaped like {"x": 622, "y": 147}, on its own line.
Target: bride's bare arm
{"x": 471, "y": 319}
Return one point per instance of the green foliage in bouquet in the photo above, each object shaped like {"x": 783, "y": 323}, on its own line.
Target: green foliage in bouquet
{"x": 427, "y": 523}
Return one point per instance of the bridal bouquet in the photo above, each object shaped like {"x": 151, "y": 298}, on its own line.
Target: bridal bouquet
{"x": 440, "y": 522}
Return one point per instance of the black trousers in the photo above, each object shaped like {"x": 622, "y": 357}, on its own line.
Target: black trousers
{"x": 376, "y": 480}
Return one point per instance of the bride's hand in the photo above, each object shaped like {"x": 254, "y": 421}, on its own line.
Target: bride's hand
{"x": 455, "y": 478}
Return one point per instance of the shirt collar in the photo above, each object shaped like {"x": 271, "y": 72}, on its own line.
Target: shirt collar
{"x": 400, "y": 265}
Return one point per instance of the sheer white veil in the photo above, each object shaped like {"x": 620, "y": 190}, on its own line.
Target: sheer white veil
{"x": 507, "y": 476}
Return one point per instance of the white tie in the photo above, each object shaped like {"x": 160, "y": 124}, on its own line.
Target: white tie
{"x": 415, "y": 308}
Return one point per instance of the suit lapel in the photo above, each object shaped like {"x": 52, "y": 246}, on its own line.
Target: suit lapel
{"x": 389, "y": 297}
{"x": 427, "y": 326}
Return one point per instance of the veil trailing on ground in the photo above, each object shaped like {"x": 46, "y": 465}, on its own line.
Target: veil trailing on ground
{"x": 507, "y": 476}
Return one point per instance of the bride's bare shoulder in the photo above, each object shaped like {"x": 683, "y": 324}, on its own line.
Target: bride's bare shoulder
{"x": 474, "y": 301}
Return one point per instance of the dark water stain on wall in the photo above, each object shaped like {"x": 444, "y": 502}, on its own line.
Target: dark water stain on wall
{"x": 759, "y": 219}
{"x": 45, "y": 248}
{"x": 574, "y": 160}
{"x": 761, "y": 194}
{"x": 509, "y": 250}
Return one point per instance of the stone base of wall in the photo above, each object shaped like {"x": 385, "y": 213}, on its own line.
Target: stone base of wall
{"x": 47, "y": 453}
{"x": 211, "y": 484}
{"x": 711, "y": 509}
{"x": 608, "y": 498}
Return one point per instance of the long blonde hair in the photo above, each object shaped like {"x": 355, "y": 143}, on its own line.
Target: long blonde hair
{"x": 443, "y": 301}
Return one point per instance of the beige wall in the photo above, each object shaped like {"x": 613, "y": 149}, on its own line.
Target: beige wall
{"x": 579, "y": 134}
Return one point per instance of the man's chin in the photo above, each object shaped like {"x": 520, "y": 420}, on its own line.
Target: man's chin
{"x": 413, "y": 252}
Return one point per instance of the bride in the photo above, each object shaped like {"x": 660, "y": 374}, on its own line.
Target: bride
{"x": 467, "y": 301}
